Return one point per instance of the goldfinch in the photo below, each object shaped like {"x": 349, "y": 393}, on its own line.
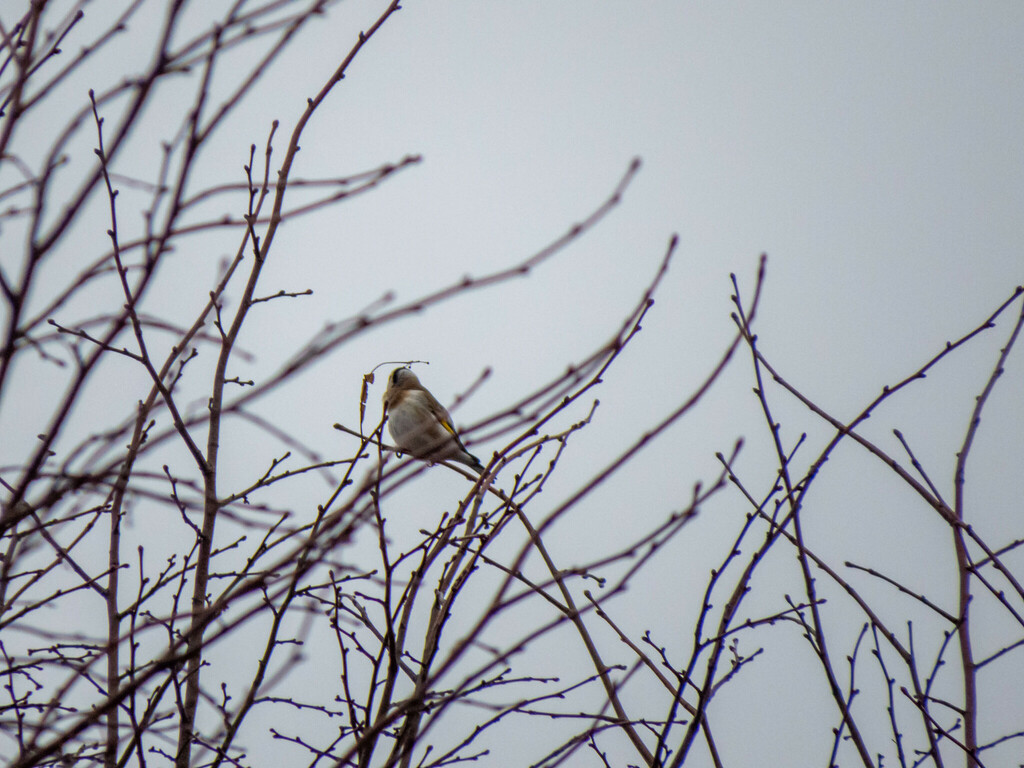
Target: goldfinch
{"x": 421, "y": 426}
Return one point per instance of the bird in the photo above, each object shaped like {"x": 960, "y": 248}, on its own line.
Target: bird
{"x": 420, "y": 425}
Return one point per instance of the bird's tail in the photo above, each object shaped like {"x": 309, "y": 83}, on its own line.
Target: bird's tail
{"x": 470, "y": 461}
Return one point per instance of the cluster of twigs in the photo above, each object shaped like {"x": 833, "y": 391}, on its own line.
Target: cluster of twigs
{"x": 939, "y": 726}
{"x": 155, "y": 608}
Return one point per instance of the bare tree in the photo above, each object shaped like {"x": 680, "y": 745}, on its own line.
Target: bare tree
{"x": 159, "y": 607}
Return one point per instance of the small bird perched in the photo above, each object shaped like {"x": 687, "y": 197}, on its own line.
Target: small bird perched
{"x": 421, "y": 426}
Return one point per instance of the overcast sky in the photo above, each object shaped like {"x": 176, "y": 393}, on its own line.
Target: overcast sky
{"x": 873, "y": 151}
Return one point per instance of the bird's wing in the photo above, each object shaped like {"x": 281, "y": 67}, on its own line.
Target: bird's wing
{"x": 441, "y": 414}
{"x": 445, "y": 420}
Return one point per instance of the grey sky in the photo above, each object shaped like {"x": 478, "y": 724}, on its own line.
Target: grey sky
{"x": 872, "y": 150}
